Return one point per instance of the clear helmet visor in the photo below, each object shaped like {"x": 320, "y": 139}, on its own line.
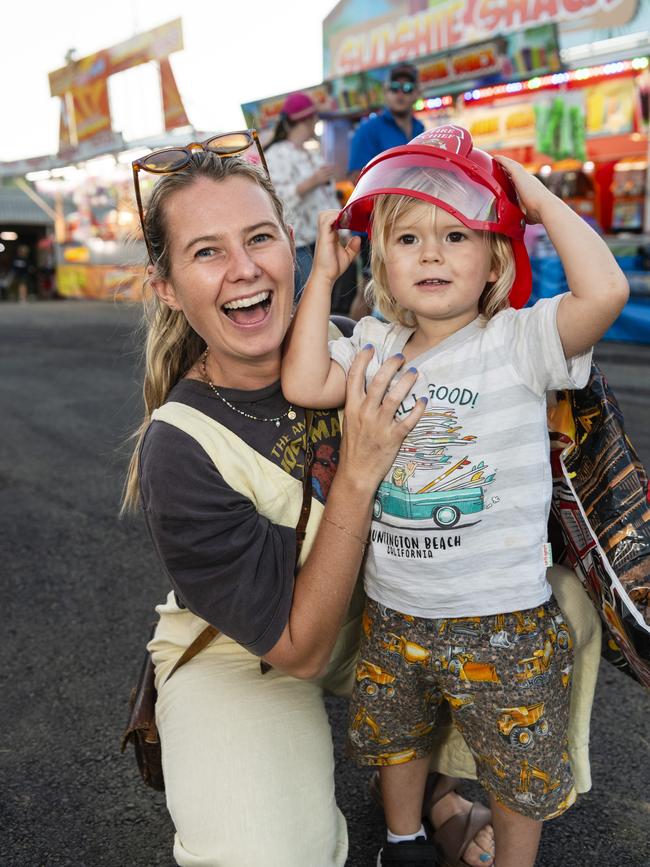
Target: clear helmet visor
{"x": 437, "y": 181}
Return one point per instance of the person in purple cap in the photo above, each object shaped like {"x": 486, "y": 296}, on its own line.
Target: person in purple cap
{"x": 460, "y": 618}
{"x": 301, "y": 177}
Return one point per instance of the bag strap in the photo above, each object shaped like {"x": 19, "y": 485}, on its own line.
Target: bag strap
{"x": 301, "y": 529}
{"x": 206, "y": 635}
{"x": 202, "y": 640}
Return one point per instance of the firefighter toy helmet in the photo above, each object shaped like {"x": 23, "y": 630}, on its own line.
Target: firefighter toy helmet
{"x": 442, "y": 167}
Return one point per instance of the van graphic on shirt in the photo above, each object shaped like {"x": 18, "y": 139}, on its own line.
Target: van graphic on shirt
{"x": 453, "y": 486}
{"x": 444, "y": 507}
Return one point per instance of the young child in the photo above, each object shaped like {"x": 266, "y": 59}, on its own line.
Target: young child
{"x": 459, "y": 611}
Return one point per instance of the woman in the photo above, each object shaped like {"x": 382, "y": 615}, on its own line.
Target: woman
{"x": 301, "y": 178}
{"x": 247, "y": 756}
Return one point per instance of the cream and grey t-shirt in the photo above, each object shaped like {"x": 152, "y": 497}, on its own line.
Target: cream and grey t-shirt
{"x": 460, "y": 521}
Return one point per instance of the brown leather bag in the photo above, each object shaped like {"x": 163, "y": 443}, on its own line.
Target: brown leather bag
{"x": 141, "y": 729}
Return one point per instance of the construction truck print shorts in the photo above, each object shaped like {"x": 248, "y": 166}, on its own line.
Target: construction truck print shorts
{"x": 504, "y": 678}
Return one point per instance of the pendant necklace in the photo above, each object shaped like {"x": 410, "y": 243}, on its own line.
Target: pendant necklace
{"x": 290, "y": 413}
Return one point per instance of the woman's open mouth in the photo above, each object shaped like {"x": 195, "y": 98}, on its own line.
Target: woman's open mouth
{"x": 249, "y": 311}
{"x": 433, "y": 282}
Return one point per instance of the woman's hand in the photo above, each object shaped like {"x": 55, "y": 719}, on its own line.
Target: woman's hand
{"x": 530, "y": 190}
{"x": 331, "y": 258}
{"x": 372, "y": 433}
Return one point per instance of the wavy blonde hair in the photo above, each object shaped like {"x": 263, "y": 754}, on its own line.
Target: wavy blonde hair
{"x": 171, "y": 346}
{"x": 387, "y": 209}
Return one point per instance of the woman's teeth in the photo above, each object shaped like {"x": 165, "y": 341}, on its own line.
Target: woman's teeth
{"x": 434, "y": 282}
{"x": 247, "y": 302}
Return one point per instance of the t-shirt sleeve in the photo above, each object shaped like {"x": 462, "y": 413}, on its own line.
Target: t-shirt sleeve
{"x": 228, "y": 564}
{"x": 343, "y": 350}
{"x": 536, "y": 352}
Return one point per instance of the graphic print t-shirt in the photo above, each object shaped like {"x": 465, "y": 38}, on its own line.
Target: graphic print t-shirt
{"x": 227, "y": 563}
{"x": 460, "y": 521}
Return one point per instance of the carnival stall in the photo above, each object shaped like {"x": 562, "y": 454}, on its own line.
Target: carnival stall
{"x": 551, "y": 88}
{"x": 94, "y": 244}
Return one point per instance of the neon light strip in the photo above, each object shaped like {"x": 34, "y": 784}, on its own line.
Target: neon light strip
{"x": 555, "y": 79}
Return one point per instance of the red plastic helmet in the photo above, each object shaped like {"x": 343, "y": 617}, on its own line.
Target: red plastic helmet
{"x": 441, "y": 166}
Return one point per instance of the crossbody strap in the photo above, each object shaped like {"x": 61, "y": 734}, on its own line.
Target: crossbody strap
{"x": 301, "y": 528}
{"x": 202, "y": 640}
{"x": 206, "y": 635}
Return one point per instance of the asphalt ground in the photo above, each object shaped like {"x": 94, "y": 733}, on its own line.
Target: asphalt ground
{"x": 78, "y": 592}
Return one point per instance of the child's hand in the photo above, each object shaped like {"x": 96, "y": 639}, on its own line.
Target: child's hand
{"x": 331, "y": 259}
{"x": 530, "y": 190}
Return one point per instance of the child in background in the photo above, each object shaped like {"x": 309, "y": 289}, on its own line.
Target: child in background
{"x": 459, "y": 610}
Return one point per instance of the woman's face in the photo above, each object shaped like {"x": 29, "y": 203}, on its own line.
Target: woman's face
{"x": 231, "y": 272}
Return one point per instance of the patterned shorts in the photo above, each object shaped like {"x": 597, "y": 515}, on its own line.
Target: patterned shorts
{"x": 506, "y": 680}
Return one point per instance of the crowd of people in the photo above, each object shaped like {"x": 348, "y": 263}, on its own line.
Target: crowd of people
{"x": 463, "y": 654}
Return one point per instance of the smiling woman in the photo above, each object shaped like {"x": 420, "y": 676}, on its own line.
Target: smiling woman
{"x": 232, "y": 284}
{"x": 219, "y": 470}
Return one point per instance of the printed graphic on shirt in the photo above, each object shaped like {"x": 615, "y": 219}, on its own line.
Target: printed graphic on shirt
{"x": 289, "y": 450}
{"x": 436, "y": 483}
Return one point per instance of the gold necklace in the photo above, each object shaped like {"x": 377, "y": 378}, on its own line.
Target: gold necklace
{"x": 290, "y": 413}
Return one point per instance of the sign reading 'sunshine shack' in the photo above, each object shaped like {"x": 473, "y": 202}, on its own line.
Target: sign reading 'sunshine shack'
{"x": 354, "y": 39}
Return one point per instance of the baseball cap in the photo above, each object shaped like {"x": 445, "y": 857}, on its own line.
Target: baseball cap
{"x": 403, "y": 70}
{"x": 298, "y": 106}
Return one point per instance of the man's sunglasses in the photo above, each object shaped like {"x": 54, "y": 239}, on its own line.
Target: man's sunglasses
{"x": 401, "y": 86}
{"x": 167, "y": 160}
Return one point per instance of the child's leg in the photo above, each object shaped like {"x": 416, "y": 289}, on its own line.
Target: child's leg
{"x": 516, "y": 836}
{"x": 509, "y": 695}
{"x": 393, "y": 712}
{"x": 402, "y": 790}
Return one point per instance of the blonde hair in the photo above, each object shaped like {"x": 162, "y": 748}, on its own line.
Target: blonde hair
{"x": 171, "y": 346}
{"x": 387, "y": 209}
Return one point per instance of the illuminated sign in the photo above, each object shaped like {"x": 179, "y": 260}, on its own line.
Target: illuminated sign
{"x": 83, "y": 84}
{"x": 444, "y": 25}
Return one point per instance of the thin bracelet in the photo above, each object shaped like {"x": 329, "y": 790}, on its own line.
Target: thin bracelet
{"x": 363, "y": 542}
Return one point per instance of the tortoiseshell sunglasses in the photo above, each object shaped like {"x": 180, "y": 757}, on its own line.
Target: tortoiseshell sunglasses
{"x": 168, "y": 160}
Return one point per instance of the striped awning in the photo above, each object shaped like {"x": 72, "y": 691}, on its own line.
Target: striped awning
{"x": 17, "y": 209}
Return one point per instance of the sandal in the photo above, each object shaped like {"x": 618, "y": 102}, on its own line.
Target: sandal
{"x": 453, "y": 836}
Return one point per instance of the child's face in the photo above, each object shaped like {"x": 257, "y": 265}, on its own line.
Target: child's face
{"x": 435, "y": 266}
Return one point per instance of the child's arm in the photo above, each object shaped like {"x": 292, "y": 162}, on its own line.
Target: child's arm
{"x": 309, "y": 376}
{"x": 599, "y": 289}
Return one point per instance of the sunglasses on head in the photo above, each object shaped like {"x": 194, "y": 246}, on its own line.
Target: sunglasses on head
{"x": 173, "y": 159}
{"x": 401, "y": 86}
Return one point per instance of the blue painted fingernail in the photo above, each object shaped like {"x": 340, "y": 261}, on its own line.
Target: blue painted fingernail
{"x": 368, "y": 346}
{"x": 412, "y": 370}
{"x": 424, "y": 399}
{"x": 484, "y": 857}
{"x": 398, "y": 355}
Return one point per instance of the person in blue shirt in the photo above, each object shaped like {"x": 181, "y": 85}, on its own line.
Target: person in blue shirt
{"x": 394, "y": 126}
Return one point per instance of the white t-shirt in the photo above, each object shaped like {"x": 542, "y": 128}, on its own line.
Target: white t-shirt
{"x": 460, "y": 521}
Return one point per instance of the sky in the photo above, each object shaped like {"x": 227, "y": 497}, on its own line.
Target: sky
{"x": 234, "y": 52}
